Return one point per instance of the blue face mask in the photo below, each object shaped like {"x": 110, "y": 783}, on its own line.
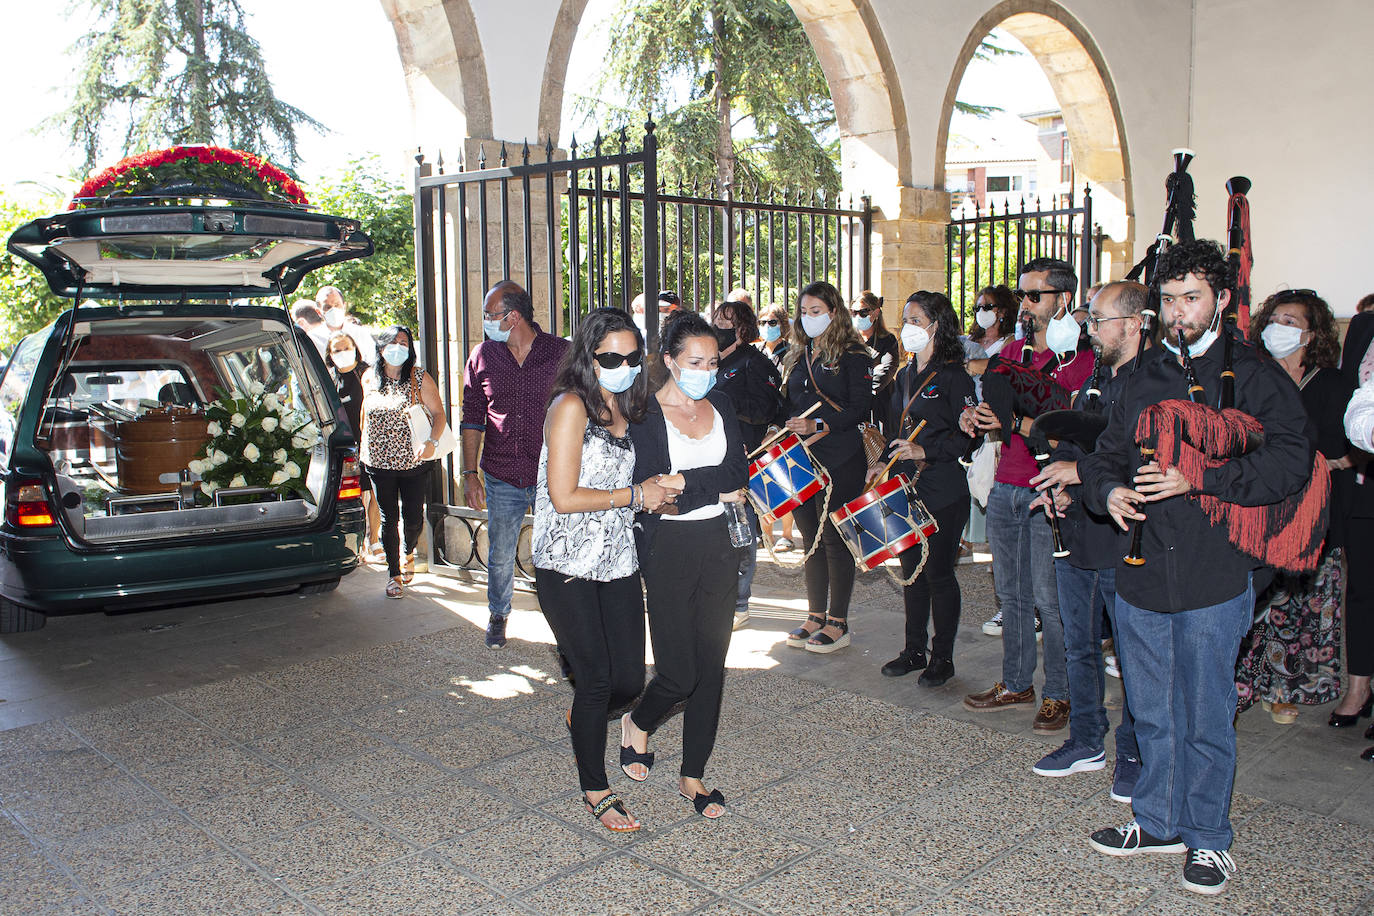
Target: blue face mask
{"x": 492, "y": 328}
{"x": 696, "y": 382}
{"x": 863, "y": 323}
{"x": 771, "y": 332}
{"x": 395, "y": 354}
{"x": 618, "y": 379}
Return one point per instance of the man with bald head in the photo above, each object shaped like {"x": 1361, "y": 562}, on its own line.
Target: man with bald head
{"x": 506, "y": 386}
{"x": 1087, "y": 576}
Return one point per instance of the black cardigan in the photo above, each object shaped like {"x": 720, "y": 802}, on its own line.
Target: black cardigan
{"x": 703, "y": 486}
{"x": 849, "y": 383}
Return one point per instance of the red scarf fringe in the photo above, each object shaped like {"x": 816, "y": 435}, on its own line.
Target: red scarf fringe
{"x": 1287, "y": 535}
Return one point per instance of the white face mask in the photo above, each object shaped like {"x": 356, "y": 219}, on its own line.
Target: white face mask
{"x": 1281, "y": 339}
{"x": 986, "y": 318}
{"x": 334, "y": 318}
{"x": 815, "y": 325}
{"x": 914, "y": 338}
{"x": 345, "y": 360}
{"x": 1062, "y": 334}
{"x": 1208, "y": 338}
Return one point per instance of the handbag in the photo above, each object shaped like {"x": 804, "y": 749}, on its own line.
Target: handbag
{"x": 422, "y": 425}
{"x": 874, "y": 442}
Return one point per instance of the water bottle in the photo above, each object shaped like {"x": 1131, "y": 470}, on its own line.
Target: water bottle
{"x": 739, "y": 524}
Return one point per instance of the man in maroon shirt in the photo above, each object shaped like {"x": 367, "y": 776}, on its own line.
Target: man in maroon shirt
{"x": 1019, "y": 538}
{"x": 506, "y": 386}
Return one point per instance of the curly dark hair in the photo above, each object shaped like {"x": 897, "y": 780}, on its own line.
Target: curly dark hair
{"x": 1202, "y": 257}
{"x": 937, "y": 308}
{"x": 1324, "y": 350}
{"x": 577, "y": 372}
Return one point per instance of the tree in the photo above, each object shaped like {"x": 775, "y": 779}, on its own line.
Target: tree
{"x": 735, "y": 86}
{"x": 737, "y": 90}
{"x": 176, "y": 72}
{"x": 26, "y": 302}
{"x": 381, "y": 289}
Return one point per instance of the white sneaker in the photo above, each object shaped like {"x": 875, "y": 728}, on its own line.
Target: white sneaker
{"x": 1112, "y": 667}
{"x": 993, "y": 627}
{"x": 741, "y": 618}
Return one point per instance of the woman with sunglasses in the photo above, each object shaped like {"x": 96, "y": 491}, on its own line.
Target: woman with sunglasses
{"x": 828, "y": 368}
{"x": 585, "y": 566}
{"x": 883, "y": 348}
{"x": 994, "y": 318}
{"x": 689, "y": 435}
{"x": 775, "y": 330}
{"x": 934, "y": 388}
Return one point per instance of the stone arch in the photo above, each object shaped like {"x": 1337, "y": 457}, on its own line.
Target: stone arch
{"x": 874, "y": 140}
{"x": 1081, "y": 82}
{"x": 445, "y": 66}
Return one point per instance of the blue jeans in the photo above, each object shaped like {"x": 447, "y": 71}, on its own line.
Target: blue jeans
{"x": 748, "y": 563}
{"x": 506, "y": 508}
{"x": 1079, "y": 608}
{"x": 1180, "y": 672}
{"x": 1023, "y": 576}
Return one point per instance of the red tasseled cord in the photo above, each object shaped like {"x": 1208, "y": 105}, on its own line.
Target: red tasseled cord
{"x": 1287, "y": 535}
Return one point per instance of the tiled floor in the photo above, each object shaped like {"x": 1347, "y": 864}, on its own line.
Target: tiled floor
{"x": 353, "y": 774}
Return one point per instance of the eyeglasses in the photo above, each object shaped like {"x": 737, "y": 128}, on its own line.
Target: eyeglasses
{"x": 1034, "y": 294}
{"x": 613, "y": 360}
{"x": 771, "y": 322}
{"x": 1094, "y": 323}
{"x": 489, "y": 316}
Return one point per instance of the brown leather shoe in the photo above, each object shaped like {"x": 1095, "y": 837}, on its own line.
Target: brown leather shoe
{"x": 998, "y": 697}
{"x": 1053, "y": 716}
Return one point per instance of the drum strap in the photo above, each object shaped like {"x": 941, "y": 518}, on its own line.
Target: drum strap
{"x": 911, "y": 398}
{"x": 817, "y": 436}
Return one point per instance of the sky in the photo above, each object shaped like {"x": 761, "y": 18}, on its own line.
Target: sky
{"x": 337, "y": 60}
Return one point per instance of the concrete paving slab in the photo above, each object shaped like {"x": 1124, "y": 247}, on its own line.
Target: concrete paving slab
{"x": 348, "y": 754}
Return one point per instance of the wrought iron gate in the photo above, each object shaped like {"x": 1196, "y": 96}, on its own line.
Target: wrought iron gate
{"x": 595, "y": 230}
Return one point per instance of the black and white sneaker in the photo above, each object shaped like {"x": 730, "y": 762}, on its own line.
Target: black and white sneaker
{"x": 1129, "y": 839}
{"x": 1205, "y": 871}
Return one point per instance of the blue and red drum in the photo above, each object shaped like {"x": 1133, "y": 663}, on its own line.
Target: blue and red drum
{"x": 883, "y": 522}
{"x": 784, "y": 476}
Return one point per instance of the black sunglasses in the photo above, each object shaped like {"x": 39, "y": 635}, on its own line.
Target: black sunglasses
{"x": 1285, "y": 293}
{"x": 771, "y": 322}
{"x": 1034, "y": 294}
{"x": 862, "y": 311}
{"x": 613, "y": 360}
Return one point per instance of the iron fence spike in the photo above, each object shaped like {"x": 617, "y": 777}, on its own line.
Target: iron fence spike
{"x": 441, "y": 161}
{"x": 419, "y": 155}
{"x": 481, "y": 155}
{"x": 525, "y": 153}
{"x": 502, "y": 160}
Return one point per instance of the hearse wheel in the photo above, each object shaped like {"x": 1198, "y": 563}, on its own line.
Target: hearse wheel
{"x": 15, "y": 618}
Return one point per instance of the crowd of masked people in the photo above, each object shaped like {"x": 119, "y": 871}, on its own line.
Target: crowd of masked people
{"x": 640, "y": 461}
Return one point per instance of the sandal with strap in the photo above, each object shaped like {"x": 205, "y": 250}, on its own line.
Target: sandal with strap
{"x": 629, "y": 756}
{"x": 611, "y": 802}
{"x": 408, "y": 569}
{"x": 823, "y": 642}
{"x": 798, "y": 637}
{"x": 702, "y": 801}
{"x": 395, "y": 588}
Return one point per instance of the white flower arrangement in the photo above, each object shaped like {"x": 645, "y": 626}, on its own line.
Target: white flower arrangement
{"x": 255, "y": 442}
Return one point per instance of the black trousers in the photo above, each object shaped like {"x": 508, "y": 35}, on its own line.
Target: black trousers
{"x": 690, "y": 578}
{"x": 830, "y": 570}
{"x": 600, "y": 631}
{"x": 936, "y": 590}
{"x": 1359, "y": 597}
{"x": 401, "y": 501}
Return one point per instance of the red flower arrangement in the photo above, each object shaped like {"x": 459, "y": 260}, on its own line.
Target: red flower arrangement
{"x": 204, "y": 166}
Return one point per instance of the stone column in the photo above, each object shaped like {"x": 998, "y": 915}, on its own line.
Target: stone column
{"x": 909, "y": 248}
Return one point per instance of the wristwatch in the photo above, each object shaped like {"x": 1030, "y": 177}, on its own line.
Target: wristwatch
{"x": 820, "y": 425}
{"x": 435, "y": 442}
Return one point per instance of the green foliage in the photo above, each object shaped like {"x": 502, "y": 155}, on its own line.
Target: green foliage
{"x": 381, "y": 289}
{"x": 173, "y": 72}
{"x": 691, "y": 63}
{"x": 26, "y": 302}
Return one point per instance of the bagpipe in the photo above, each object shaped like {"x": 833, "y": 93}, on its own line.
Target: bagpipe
{"x": 1193, "y": 436}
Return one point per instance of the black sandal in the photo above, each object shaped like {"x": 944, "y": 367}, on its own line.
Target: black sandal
{"x": 822, "y": 642}
{"x": 629, "y": 756}
{"x": 798, "y": 637}
{"x": 704, "y": 800}
{"x": 609, "y": 803}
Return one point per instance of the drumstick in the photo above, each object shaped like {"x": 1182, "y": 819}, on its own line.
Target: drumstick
{"x": 887, "y": 467}
{"x": 784, "y": 431}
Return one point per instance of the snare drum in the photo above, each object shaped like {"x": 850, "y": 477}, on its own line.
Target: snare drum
{"x": 785, "y": 476}
{"x": 883, "y": 522}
